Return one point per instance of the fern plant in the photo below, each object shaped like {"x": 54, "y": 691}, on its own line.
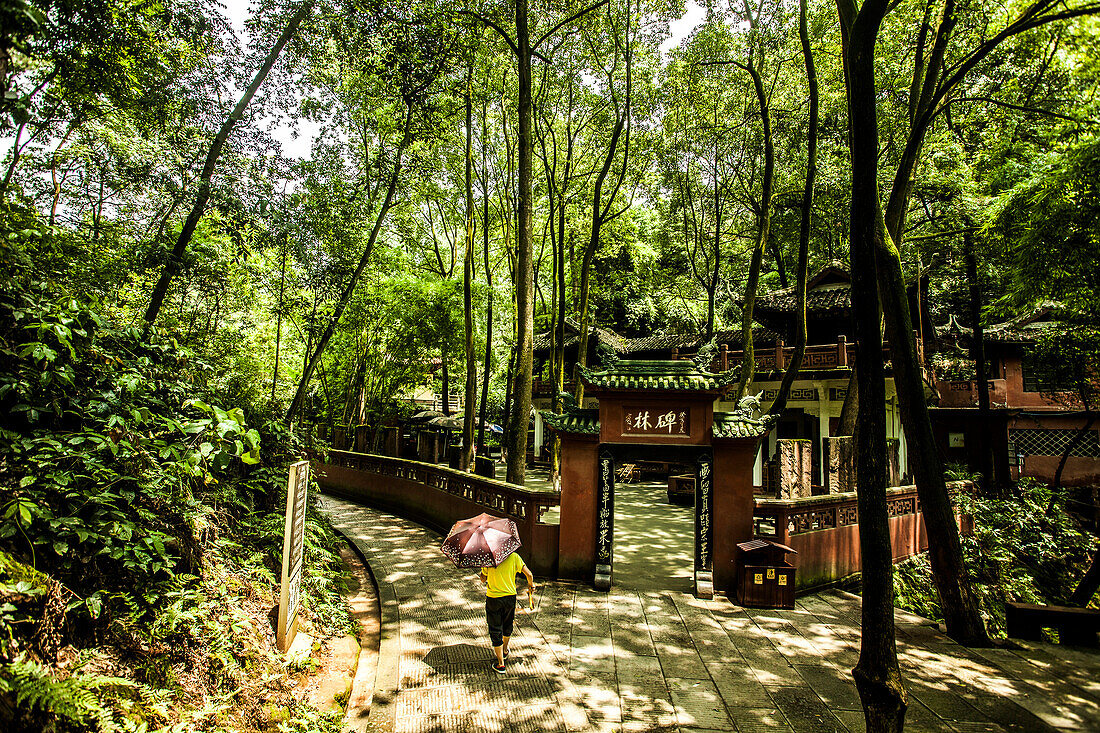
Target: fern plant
{"x": 77, "y": 703}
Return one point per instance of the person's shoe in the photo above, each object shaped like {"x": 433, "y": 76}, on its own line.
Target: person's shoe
{"x": 498, "y": 668}
{"x": 505, "y": 656}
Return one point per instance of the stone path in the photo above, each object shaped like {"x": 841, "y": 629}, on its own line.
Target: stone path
{"x": 637, "y": 660}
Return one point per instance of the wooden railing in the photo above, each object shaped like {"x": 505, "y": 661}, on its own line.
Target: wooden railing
{"x": 518, "y": 502}
{"x": 822, "y": 356}
{"x": 782, "y": 519}
{"x": 546, "y": 386}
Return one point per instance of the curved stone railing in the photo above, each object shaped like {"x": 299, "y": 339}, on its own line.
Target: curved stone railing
{"x": 438, "y": 497}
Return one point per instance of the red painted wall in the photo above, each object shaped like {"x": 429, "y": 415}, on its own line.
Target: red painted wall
{"x": 829, "y": 555}
{"x": 1079, "y": 470}
{"x": 577, "y": 537}
{"x": 732, "y": 506}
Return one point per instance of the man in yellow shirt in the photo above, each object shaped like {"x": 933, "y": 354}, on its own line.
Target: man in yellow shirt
{"x": 500, "y": 603}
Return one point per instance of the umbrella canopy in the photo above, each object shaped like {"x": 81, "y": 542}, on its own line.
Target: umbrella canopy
{"x": 448, "y": 423}
{"x": 425, "y": 415}
{"x": 481, "y": 542}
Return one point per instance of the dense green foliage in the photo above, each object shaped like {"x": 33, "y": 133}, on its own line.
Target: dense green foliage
{"x": 1026, "y": 547}
{"x": 141, "y": 466}
{"x": 152, "y": 521}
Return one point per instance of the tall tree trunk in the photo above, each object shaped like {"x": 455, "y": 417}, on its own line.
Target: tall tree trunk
{"x": 748, "y": 362}
{"x": 467, "y": 285}
{"x": 849, "y": 411}
{"x": 1089, "y": 584}
{"x": 446, "y": 382}
{"x": 175, "y": 258}
{"x": 985, "y": 447}
{"x": 483, "y": 446}
{"x": 877, "y": 675}
{"x": 716, "y": 247}
{"x": 962, "y": 615}
{"x": 601, "y": 212}
{"x": 1056, "y": 483}
{"x": 780, "y": 402}
{"x": 53, "y": 168}
{"x": 957, "y": 599}
{"x": 525, "y": 315}
{"x": 509, "y": 380}
{"x": 560, "y": 302}
{"x": 279, "y": 321}
{"x": 349, "y": 287}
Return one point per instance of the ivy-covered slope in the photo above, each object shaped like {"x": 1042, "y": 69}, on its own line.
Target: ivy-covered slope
{"x": 140, "y": 531}
{"x": 1027, "y": 546}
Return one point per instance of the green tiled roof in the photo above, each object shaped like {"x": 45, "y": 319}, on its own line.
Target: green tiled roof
{"x": 678, "y": 375}
{"x": 573, "y": 421}
{"x": 605, "y": 336}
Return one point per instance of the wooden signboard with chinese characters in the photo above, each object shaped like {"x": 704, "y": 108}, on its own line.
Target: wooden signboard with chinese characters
{"x": 294, "y": 534}
{"x": 684, "y": 421}
{"x": 657, "y": 421}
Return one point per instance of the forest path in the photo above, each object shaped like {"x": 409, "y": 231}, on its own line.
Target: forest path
{"x": 661, "y": 660}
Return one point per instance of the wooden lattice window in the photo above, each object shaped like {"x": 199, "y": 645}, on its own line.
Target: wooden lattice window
{"x": 1041, "y": 442}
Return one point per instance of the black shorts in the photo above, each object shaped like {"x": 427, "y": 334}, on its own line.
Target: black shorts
{"x": 501, "y": 614}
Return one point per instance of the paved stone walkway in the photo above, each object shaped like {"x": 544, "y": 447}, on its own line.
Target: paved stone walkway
{"x": 637, "y": 660}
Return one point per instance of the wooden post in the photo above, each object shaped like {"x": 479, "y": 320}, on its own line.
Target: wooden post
{"x": 779, "y": 364}
{"x": 841, "y": 351}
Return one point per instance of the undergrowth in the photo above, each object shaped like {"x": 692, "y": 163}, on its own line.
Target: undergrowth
{"x": 140, "y": 531}
{"x": 1026, "y": 547}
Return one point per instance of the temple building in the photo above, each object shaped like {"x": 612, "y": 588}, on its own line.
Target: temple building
{"x": 1029, "y": 427}
{"x": 817, "y": 396}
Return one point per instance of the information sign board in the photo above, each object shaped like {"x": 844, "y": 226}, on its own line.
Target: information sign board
{"x": 294, "y": 534}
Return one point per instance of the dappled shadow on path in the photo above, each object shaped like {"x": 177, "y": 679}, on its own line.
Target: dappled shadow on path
{"x": 654, "y": 540}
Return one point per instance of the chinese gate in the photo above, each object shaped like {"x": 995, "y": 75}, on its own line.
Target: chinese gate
{"x": 657, "y": 411}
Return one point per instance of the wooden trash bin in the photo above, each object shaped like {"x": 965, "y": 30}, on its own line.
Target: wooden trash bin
{"x": 485, "y": 466}
{"x": 764, "y": 577}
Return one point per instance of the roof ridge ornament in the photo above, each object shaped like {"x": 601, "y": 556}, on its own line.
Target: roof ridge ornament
{"x": 745, "y": 421}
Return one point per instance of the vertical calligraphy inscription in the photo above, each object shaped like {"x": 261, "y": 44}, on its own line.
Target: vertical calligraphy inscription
{"x": 605, "y": 520}
{"x": 605, "y": 508}
{"x": 703, "y": 485}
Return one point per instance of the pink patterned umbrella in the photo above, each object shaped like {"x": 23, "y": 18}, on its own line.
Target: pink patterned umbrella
{"x": 481, "y": 542}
